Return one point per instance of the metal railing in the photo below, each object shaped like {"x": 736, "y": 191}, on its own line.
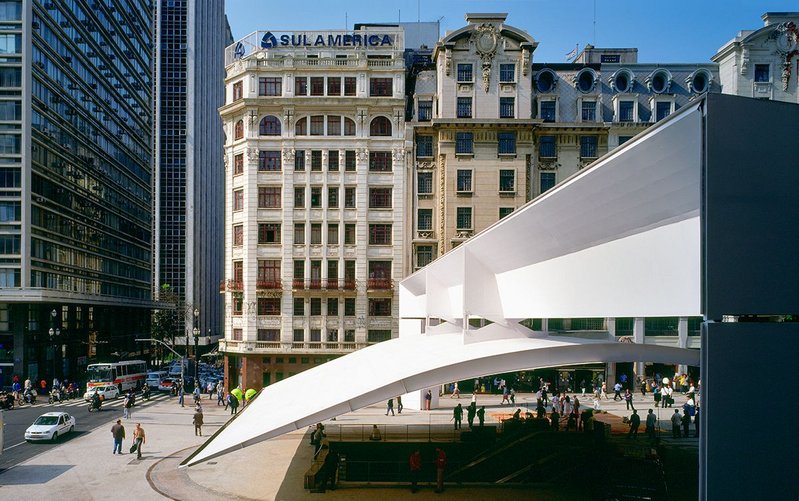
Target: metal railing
{"x": 380, "y": 283}
{"x": 268, "y": 284}
{"x": 231, "y": 345}
{"x": 231, "y": 285}
{"x": 323, "y": 284}
{"x": 435, "y": 432}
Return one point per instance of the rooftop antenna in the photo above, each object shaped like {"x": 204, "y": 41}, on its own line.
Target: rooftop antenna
{"x": 418, "y": 11}
{"x": 346, "y": 23}
{"x": 399, "y": 16}
{"x": 594, "y": 38}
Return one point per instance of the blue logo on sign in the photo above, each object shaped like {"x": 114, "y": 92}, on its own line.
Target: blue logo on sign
{"x": 239, "y": 51}
{"x": 268, "y": 41}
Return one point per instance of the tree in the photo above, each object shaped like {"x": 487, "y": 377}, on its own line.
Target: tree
{"x": 164, "y": 323}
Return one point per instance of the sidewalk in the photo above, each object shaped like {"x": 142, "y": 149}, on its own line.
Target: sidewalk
{"x": 84, "y": 468}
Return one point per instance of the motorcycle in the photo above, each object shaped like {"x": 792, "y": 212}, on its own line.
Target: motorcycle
{"x": 55, "y": 397}
{"x": 7, "y": 401}
{"x": 96, "y": 406}
{"x": 146, "y": 393}
{"x": 29, "y": 397}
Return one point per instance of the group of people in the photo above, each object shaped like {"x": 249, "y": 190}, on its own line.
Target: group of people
{"x": 139, "y": 438}
{"x": 415, "y": 467}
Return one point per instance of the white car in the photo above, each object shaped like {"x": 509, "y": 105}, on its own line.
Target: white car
{"x": 105, "y": 392}
{"x": 50, "y": 426}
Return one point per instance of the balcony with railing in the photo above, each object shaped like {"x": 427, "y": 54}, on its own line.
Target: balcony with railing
{"x": 232, "y": 346}
{"x": 231, "y": 286}
{"x": 376, "y": 284}
{"x": 268, "y": 284}
{"x": 329, "y": 284}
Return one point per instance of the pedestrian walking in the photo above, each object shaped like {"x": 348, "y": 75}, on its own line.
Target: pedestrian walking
{"x": 617, "y": 390}
{"x": 457, "y": 415}
{"x": 676, "y": 421}
{"x": 220, "y": 395}
{"x": 471, "y": 412}
{"x": 390, "y": 406}
{"x": 628, "y": 399}
{"x": 415, "y": 465}
{"x": 427, "y": 399}
{"x": 126, "y": 407}
{"x": 651, "y": 421}
{"x": 635, "y": 422}
{"x": 604, "y": 391}
{"x": 118, "y": 432}
{"x": 180, "y": 395}
{"x": 198, "y": 423}
{"x": 399, "y": 405}
{"x": 210, "y": 389}
{"x": 686, "y": 424}
{"x": 196, "y": 394}
{"x": 234, "y": 404}
{"x": 441, "y": 464}
{"x": 139, "y": 439}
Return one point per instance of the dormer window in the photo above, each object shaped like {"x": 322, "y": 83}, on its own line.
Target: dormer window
{"x": 585, "y": 80}
{"x": 699, "y": 81}
{"x": 659, "y": 81}
{"x": 545, "y": 81}
{"x": 622, "y": 81}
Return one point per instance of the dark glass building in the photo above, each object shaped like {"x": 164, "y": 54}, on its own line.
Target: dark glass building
{"x": 191, "y": 36}
{"x": 75, "y": 184}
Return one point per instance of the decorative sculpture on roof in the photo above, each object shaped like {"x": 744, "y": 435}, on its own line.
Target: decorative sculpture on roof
{"x": 486, "y": 40}
{"x": 787, "y": 39}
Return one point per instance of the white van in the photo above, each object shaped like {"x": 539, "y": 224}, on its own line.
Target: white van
{"x": 155, "y": 377}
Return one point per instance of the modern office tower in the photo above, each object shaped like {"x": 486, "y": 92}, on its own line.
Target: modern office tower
{"x": 315, "y": 180}
{"x": 75, "y": 169}
{"x": 191, "y": 37}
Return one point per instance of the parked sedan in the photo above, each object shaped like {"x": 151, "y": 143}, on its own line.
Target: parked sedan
{"x": 50, "y": 426}
{"x": 105, "y": 392}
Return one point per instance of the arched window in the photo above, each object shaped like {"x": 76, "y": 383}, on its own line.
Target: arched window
{"x": 238, "y": 130}
{"x": 380, "y": 126}
{"x": 349, "y": 127}
{"x": 301, "y": 127}
{"x": 269, "y": 126}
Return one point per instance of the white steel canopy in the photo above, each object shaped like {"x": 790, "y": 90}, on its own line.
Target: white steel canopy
{"x": 620, "y": 239}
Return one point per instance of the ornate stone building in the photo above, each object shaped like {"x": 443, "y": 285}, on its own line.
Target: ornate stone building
{"x": 315, "y": 172}
{"x": 472, "y": 131}
{"x": 763, "y": 63}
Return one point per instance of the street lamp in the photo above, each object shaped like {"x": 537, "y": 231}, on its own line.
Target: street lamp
{"x": 196, "y": 332}
{"x": 54, "y": 333}
{"x": 153, "y": 340}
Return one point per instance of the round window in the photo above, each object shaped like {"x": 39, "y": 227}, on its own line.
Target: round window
{"x": 585, "y": 81}
{"x": 659, "y": 82}
{"x": 545, "y": 81}
{"x": 622, "y": 82}
{"x": 699, "y": 83}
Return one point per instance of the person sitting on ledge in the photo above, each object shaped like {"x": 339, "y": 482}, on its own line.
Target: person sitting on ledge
{"x": 375, "y": 436}
{"x": 517, "y": 415}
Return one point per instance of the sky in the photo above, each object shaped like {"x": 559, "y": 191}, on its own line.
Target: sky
{"x": 663, "y": 31}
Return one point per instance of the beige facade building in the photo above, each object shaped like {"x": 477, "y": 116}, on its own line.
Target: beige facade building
{"x": 315, "y": 170}
{"x": 472, "y": 131}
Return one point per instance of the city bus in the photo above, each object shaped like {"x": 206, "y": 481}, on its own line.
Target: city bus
{"x": 125, "y": 375}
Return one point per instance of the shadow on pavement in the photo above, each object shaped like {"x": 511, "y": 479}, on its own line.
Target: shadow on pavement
{"x": 33, "y": 474}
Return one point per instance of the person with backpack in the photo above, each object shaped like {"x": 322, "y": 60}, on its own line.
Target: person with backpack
{"x": 234, "y": 404}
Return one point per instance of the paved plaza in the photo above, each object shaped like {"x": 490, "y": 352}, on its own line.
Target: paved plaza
{"x": 84, "y": 468}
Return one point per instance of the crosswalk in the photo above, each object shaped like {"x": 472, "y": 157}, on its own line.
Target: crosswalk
{"x": 140, "y": 402}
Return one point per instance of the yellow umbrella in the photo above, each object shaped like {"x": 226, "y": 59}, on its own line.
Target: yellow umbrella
{"x": 249, "y": 394}
{"x": 236, "y": 393}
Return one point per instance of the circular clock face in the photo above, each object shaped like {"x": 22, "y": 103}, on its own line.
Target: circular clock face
{"x": 486, "y": 42}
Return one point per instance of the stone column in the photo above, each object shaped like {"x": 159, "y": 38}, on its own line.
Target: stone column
{"x": 682, "y": 341}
